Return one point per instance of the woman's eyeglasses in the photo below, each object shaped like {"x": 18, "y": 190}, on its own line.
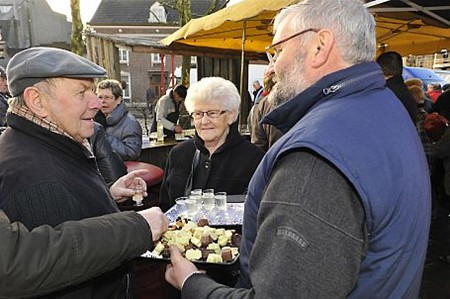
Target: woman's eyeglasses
{"x": 211, "y": 114}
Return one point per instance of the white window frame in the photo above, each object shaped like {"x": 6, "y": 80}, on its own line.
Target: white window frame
{"x": 125, "y": 76}
{"x": 156, "y": 58}
{"x": 124, "y": 56}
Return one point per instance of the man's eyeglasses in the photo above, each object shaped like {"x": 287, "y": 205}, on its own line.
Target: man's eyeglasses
{"x": 211, "y": 114}
{"x": 272, "y": 51}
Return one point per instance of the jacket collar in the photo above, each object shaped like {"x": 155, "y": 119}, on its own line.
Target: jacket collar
{"x": 360, "y": 77}
{"x": 117, "y": 114}
{"x": 35, "y": 131}
{"x": 233, "y": 138}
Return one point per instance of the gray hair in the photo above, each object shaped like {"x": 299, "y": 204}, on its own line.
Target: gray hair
{"x": 351, "y": 23}
{"x": 213, "y": 89}
{"x": 44, "y": 85}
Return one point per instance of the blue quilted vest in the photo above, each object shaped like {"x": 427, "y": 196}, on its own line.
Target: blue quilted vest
{"x": 352, "y": 120}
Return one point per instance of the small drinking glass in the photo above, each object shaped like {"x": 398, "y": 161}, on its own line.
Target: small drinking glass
{"x": 181, "y": 206}
{"x": 221, "y": 200}
{"x": 191, "y": 206}
{"x": 208, "y": 199}
{"x": 197, "y": 195}
{"x": 138, "y": 195}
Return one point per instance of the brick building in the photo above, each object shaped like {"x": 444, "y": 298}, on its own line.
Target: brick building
{"x": 141, "y": 18}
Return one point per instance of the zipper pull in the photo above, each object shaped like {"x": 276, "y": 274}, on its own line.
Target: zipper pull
{"x": 331, "y": 89}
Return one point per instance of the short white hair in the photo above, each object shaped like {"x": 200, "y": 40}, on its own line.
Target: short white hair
{"x": 213, "y": 90}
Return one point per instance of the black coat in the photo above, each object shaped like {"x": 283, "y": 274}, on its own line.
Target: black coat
{"x": 48, "y": 178}
{"x": 397, "y": 85}
{"x": 229, "y": 169}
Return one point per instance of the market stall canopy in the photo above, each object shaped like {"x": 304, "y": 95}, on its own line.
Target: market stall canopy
{"x": 225, "y": 28}
{"x": 406, "y": 26}
{"x": 412, "y": 26}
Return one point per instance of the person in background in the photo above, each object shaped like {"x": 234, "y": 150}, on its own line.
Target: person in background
{"x": 257, "y": 91}
{"x": 167, "y": 111}
{"x": 262, "y": 135}
{"x": 317, "y": 224}
{"x": 4, "y": 96}
{"x": 46, "y": 259}
{"x": 428, "y": 104}
{"x": 48, "y": 172}
{"x": 429, "y": 146}
{"x": 434, "y": 90}
{"x": 150, "y": 95}
{"x": 123, "y": 131}
{"x": 391, "y": 64}
{"x": 218, "y": 157}
{"x": 109, "y": 163}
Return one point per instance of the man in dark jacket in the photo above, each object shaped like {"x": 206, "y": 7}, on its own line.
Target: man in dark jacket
{"x": 46, "y": 259}
{"x": 335, "y": 209}
{"x": 48, "y": 173}
{"x": 391, "y": 64}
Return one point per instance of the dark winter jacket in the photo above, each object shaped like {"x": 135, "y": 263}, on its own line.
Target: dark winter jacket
{"x": 124, "y": 133}
{"x": 45, "y": 260}
{"x": 229, "y": 168}
{"x": 48, "y": 178}
{"x": 109, "y": 163}
{"x": 397, "y": 85}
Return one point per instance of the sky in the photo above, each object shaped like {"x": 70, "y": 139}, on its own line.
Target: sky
{"x": 87, "y": 8}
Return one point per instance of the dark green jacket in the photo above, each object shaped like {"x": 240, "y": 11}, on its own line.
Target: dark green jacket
{"x": 47, "y": 259}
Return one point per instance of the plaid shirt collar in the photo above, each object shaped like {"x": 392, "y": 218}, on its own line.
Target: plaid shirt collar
{"x": 24, "y": 112}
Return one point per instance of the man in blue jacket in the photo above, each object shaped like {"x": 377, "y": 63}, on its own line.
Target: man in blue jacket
{"x": 340, "y": 205}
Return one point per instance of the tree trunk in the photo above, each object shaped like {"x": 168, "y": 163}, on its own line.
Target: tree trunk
{"x": 76, "y": 38}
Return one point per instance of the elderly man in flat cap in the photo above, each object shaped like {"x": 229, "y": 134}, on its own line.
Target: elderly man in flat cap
{"x": 48, "y": 173}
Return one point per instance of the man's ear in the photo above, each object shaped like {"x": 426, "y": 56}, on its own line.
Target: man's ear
{"x": 323, "y": 43}
{"x": 34, "y": 101}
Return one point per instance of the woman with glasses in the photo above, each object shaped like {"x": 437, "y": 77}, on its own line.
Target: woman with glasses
{"x": 218, "y": 157}
{"x": 123, "y": 130}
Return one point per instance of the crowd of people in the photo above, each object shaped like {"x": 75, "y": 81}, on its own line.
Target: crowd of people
{"x": 343, "y": 163}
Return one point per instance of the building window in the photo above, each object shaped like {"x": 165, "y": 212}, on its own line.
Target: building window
{"x": 156, "y": 58}
{"x": 157, "y": 13}
{"x": 194, "y": 60}
{"x": 124, "y": 56}
{"x": 125, "y": 77}
{"x": 5, "y": 8}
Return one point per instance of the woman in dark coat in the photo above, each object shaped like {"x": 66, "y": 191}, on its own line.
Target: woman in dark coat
{"x": 218, "y": 157}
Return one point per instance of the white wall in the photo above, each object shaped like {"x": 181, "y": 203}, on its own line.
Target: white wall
{"x": 255, "y": 72}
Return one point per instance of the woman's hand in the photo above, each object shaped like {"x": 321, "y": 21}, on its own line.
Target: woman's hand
{"x": 124, "y": 186}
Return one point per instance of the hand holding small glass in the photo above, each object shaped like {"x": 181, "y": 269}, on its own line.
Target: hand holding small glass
{"x": 123, "y": 188}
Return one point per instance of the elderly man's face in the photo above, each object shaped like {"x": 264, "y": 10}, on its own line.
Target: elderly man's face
{"x": 289, "y": 70}
{"x": 72, "y": 105}
{"x": 109, "y": 101}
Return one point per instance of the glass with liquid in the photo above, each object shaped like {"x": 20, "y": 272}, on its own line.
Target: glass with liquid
{"x": 208, "y": 199}
{"x": 138, "y": 195}
{"x": 221, "y": 200}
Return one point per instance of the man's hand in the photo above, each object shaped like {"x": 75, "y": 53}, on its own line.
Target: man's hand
{"x": 124, "y": 186}
{"x": 157, "y": 221}
{"x": 179, "y": 270}
{"x": 178, "y": 129}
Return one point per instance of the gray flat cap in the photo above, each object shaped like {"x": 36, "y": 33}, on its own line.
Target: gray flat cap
{"x": 32, "y": 65}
